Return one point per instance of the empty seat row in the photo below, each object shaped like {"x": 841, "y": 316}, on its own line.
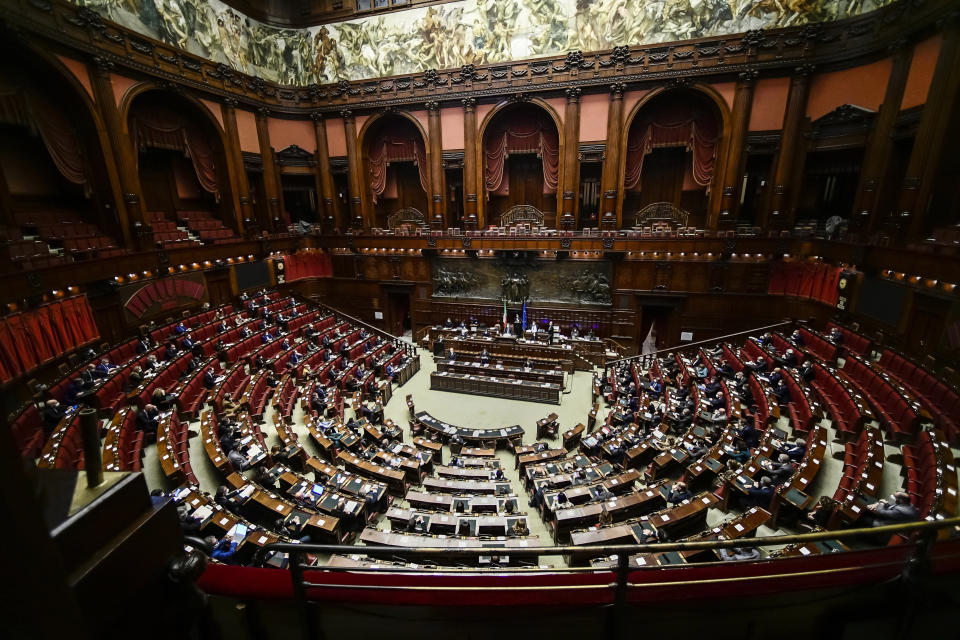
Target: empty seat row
{"x": 852, "y": 341}
{"x": 940, "y": 400}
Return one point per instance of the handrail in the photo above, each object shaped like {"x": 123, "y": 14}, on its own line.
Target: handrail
{"x": 407, "y": 345}
{"x": 619, "y": 587}
{"x": 620, "y": 549}
{"x": 699, "y": 343}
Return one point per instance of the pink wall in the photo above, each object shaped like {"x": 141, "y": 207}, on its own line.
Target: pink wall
{"x": 560, "y": 106}
{"x": 120, "y": 85}
{"x": 214, "y": 109}
{"x": 482, "y": 111}
{"x": 725, "y": 89}
{"x": 423, "y": 119}
{"x": 769, "y": 104}
{"x": 593, "y": 117}
{"x": 247, "y": 131}
{"x": 79, "y": 70}
{"x": 861, "y": 86}
{"x": 336, "y": 138}
{"x": 451, "y": 128}
{"x": 921, "y": 72}
{"x": 360, "y": 120}
{"x": 630, "y": 100}
{"x": 284, "y": 133}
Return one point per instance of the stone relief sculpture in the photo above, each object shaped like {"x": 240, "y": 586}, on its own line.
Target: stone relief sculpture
{"x": 588, "y": 286}
{"x": 449, "y": 282}
{"x": 515, "y": 287}
{"x": 449, "y": 35}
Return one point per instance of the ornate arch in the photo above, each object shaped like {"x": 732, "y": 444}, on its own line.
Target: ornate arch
{"x": 481, "y": 133}
{"x": 723, "y": 110}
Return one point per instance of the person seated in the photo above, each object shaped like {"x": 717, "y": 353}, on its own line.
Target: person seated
{"x": 104, "y": 368}
{"x": 740, "y": 452}
{"x": 187, "y": 341}
{"x": 701, "y": 371}
{"x": 807, "y": 371}
{"x": 171, "y": 351}
{"x": 292, "y": 528}
{"x": 716, "y": 401}
{"x": 148, "y": 419}
{"x": 759, "y": 493}
{"x": 485, "y": 356}
{"x": 797, "y": 338}
{"x": 52, "y": 413}
{"x": 775, "y": 376}
{"x": 390, "y": 373}
{"x": 272, "y": 381}
{"x": 678, "y": 493}
{"x": 225, "y": 551}
{"x": 656, "y": 387}
{"x": 373, "y": 414}
{"x": 835, "y": 337}
{"x": 285, "y": 345}
{"x": 738, "y": 553}
{"x": 294, "y": 360}
{"x": 759, "y": 365}
{"x": 781, "y": 470}
{"x": 89, "y": 376}
{"x": 180, "y": 328}
{"x": 748, "y": 432}
{"x": 162, "y": 399}
{"x": 239, "y": 459}
{"x": 820, "y": 515}
{"x": 782, "y": 392}
{"x": 711, "y": 386}
{"x": 725, "y": 369}
{"x": 898, "y": 508}
{"x": 764, "y": 339}
{"x": 266, "y": 337}
{"x": 209, "y": 379}
{"x": 451, "y": 355}
{"x": 223, "y": 327}
{"x": 796, "y": 449}
{"x": 142, "y": 346}
{"x": 245, "y": 331}
{"x": 416, "y": 524}
{"x": 789, "y": 358}
{"x": 318, "y": 398}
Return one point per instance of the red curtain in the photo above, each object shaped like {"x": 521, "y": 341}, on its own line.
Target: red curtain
{"x": 21, "y": 104}
{"x": 387, "y": 147}
{"x": 161, "y": 127}
{"x": 673, "y": 124}
{"x": 525, "y": 133}
{"x": 311, "y": 264}
{"x": 31, "y": 338}
{"x": 811, "y": 280}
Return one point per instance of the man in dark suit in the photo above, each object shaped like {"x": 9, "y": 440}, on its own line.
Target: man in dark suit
{"x": 143, "y": 345}
{"x": 171, "y": 351}
{"x": 89, "y": 376}
{"x": 52, "y": 414}
{"x": 209, "y": 380}
{"x": 148, "y": 419}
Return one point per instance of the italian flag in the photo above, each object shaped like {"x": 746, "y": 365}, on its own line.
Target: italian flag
{"x": 504, "y": 313}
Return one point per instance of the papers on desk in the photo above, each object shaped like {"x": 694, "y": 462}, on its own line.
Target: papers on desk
{"x": 203, "y": 512}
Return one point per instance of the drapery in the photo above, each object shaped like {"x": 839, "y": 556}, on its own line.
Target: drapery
{"x": 387, "y": 147}
{"x": 526, "y": 133}
{"x": 23, "y": 105}
{"x": 673, "y": 125}
{"x": 811, "y": 280}
{"x": 310, "y": 264}
{"x": 161, "y": 127}
{"x": 31, "y": 338}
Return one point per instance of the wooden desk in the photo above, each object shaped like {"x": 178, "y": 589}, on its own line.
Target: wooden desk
{"x": 480, "y": 436}
{"x": 393, "y": 479}
{"x": 548, "y": 427}
{"x": 543, "y": 456}
{"x": 511, "y": 389}
{"x": 476, "y": 368}
{"x": 474, "y": 487}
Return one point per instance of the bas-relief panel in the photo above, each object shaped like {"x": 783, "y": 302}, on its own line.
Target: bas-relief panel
{"x": 536, "y": 281}
{"x": 449, "y": 35}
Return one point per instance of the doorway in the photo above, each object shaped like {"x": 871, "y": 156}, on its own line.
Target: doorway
{"x": 398, "y": 312}
{"x": 660, "y": 318}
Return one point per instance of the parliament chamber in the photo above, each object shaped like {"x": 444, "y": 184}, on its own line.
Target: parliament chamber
{"x": 402, "y": 318}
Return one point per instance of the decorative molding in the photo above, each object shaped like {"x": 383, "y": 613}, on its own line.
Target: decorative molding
{"x": 573, "y": 94}
{"x": 469, "y": 104}
{"x": 346, "y": 114}
{"x": 432, "y": 106}
{"x": 617, "y": 89}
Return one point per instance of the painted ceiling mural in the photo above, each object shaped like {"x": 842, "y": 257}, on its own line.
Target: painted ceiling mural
{"x": 449, "y": 35}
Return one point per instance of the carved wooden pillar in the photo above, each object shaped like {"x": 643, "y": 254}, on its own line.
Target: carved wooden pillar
{"x": 271, "y": 185}
{"x": 781, "y": 208}
{"x": 354, "y": 169}
{"x": 238, "y": 174}
{"x": 324, "y": 177}
{"x": 876, "y": 157}
{"x": 928, "y": 146}
{"x": 121, "y": 157}
{"x": 571, "y": 163}
{"x": 729, "y": 201}
{"x": 610, "y": 206}
{"x": 438, "y": 218}
{"x": 470, "y": 169}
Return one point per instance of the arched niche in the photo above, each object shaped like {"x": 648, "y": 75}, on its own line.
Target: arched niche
{"x": 181, "y": 154}
{"x": 525, "y": 139}
{"x": 53, "y": 153}
{"x": 396, "y": 167}
{"x": 673, "y": 150}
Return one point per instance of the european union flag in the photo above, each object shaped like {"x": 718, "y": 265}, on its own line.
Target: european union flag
{"x": 524, "y": 315}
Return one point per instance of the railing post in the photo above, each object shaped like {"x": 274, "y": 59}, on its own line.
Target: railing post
{"x": 617, "y": 613}
{"x": 308, "y": 623}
